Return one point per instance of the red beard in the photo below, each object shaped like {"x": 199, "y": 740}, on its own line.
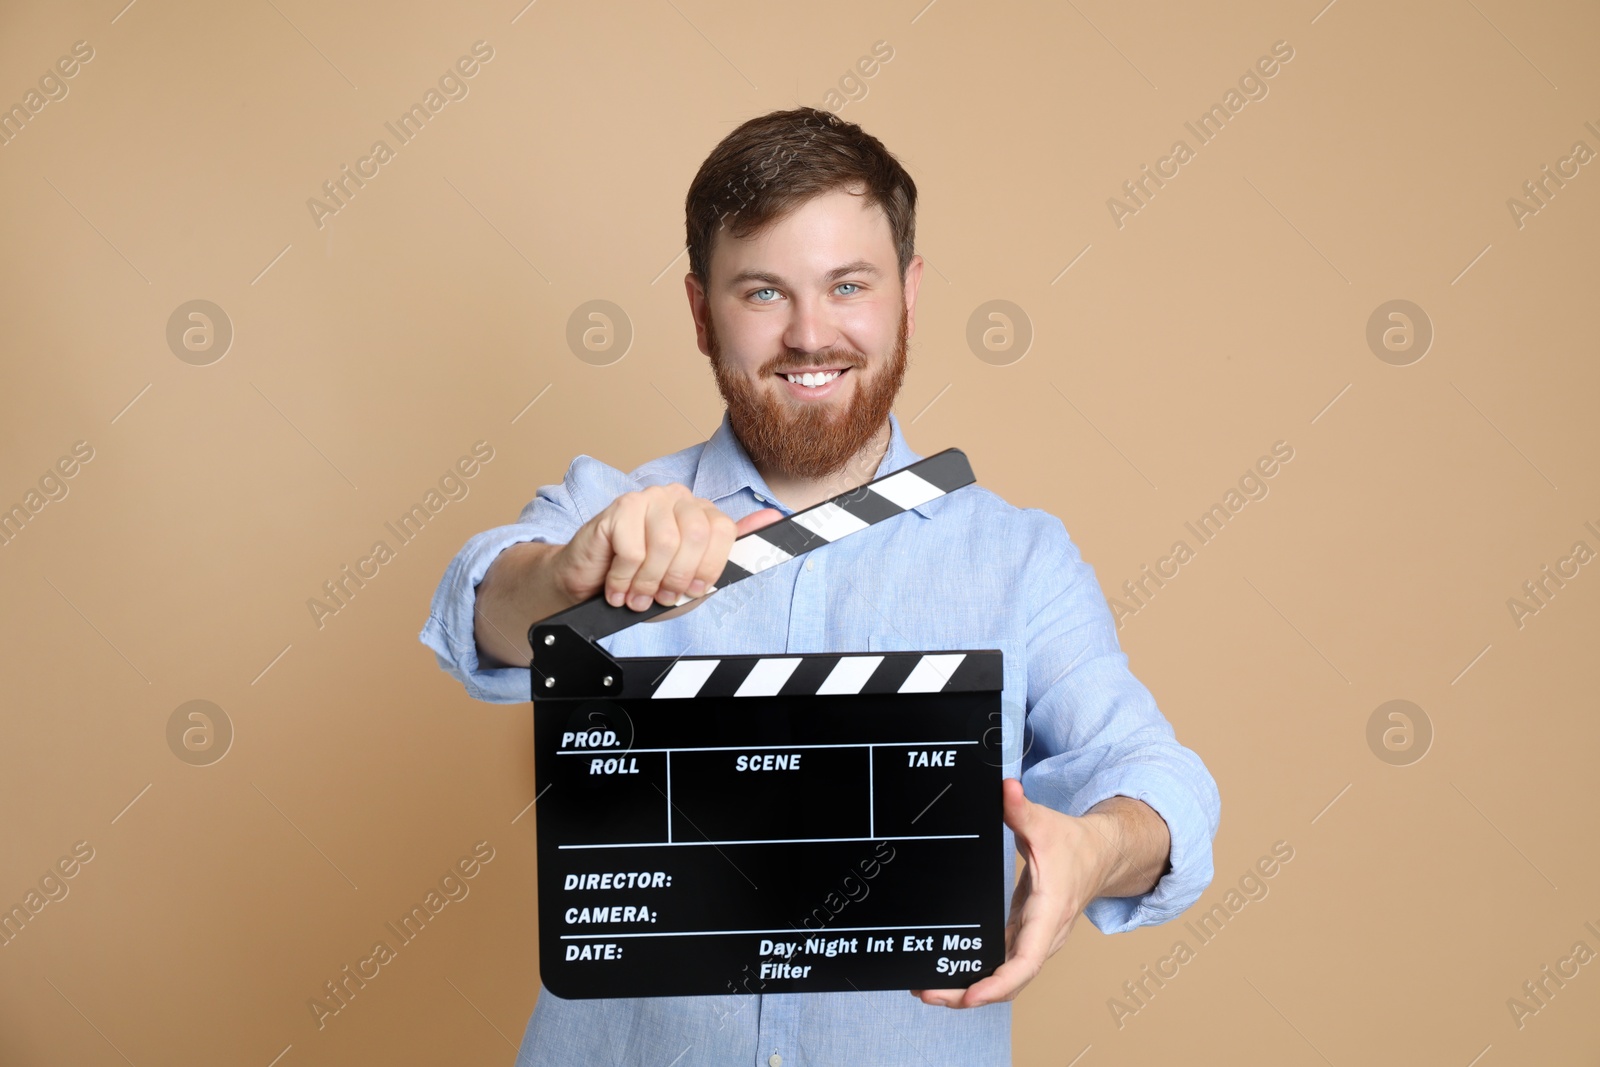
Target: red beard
{"x": 810, "y": 440}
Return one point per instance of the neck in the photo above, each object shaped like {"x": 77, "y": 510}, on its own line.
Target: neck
{"x": 799, "y": 493}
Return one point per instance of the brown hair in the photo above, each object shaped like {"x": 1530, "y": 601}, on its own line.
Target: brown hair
{"x": 774, "y": 163}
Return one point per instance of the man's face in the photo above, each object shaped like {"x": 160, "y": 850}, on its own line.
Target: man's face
{"x": 816, "y": 296}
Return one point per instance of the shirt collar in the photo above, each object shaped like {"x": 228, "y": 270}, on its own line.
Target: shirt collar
{"x": 725, "y": 468}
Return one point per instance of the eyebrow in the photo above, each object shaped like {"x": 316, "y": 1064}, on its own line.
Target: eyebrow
{"x": 860, "y": 266}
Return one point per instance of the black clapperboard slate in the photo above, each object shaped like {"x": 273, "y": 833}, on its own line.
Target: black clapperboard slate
{"x": 768, "y": 824}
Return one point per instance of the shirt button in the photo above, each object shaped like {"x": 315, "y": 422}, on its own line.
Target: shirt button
{"x": 775, "y": 1060}
{"x": 811, "y": 565}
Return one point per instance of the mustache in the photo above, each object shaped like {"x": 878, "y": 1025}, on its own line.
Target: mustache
{"x": 793, "y": 363}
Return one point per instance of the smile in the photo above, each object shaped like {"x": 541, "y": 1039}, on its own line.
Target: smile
{"x": 812, "y": 379}
{"x": 813, "y": 384}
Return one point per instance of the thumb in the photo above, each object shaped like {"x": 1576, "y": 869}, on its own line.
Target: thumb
{"x": 756, "y": 520}
{"x": 589, "y": 549}
{"x": 1017, "y": 808}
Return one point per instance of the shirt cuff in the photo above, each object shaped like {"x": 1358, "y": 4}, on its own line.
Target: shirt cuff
{"x": 1190, "y": 826}
{"x": 449, "y": 631}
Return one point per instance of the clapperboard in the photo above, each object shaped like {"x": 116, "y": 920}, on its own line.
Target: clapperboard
{"x": 768, "y": 824}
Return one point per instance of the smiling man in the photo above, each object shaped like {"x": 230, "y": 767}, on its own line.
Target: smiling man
{"x": 803, "y": 287}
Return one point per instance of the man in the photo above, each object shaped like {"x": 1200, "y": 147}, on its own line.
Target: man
{"x": 803, "y": 286}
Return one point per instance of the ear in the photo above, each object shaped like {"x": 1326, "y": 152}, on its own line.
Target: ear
{"x": 913, "y": 282}
{"x": 699, "y": 310}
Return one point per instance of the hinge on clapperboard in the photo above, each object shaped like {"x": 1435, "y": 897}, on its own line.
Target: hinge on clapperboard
{"x": 569, "y": 663}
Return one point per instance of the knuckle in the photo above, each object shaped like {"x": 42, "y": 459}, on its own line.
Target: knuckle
{"x": 694, "y": 532}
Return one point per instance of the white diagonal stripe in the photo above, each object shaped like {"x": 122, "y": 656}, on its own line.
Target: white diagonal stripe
{"x": 906, "y": 489}
{"x": 685, "y": 678}
{"x": 829, "y": 522}
{"x": 932, "y": 672}
{"x": 849, "y": 675}
{"x": 755, "y": 554}
{"x": 767, "y": 677}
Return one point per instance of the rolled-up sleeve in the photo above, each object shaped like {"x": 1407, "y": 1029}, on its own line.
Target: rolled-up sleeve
{"x": 1095, "y": 732}
{"x": 551, "y": 517}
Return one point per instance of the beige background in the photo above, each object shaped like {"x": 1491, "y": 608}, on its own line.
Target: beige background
{"x": 1227, "y": 314}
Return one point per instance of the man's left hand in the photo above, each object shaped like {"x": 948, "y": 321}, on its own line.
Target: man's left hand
{"x": 1068, "y": 862}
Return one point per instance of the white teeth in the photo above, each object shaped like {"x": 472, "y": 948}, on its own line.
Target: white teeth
{"x": 813, "y": 380}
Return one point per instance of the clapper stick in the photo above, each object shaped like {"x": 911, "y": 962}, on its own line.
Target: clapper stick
{"x": 569, "y": 661}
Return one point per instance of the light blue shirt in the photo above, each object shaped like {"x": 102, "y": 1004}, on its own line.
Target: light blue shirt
{"x": 963, "y": 571}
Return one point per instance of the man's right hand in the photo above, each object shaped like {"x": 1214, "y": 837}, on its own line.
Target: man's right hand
{"x": 653, "y": 545}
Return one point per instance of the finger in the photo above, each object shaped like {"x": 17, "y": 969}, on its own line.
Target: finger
{"x": 1004, "y": 984}
{"x": 694, "y": 531}
{"x": 624, "y": 534}
{"x": 1030, "y": 938}
{"x": 1028, "y": 944}
{"x": 757, "y": 519}
{"x": 722, "y": 532}
{"x": 987, "y": 991}
{"x": 660, "y": 545}
{"x": 761, "y": 554}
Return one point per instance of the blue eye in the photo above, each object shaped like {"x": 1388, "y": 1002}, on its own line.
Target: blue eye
{"x": 758, "y": 293}
{"x": 848, "y": 285}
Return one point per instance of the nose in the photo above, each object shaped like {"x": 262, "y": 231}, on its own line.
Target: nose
{"x": 809, "y": 329}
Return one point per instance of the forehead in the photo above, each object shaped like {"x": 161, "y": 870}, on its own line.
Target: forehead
{"x": 811, "y": 239}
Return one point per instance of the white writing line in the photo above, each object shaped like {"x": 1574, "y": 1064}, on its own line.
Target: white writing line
{"x": 872, "y": 803}
{"x": 759, "y": 748}
{"x": 776, "y": 841}
{"x": 784, "y": 930}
